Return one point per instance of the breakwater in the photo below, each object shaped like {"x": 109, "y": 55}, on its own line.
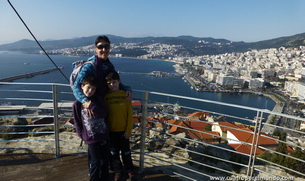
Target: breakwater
{"x": 28, "y": 75}
{"x": 154, "y": 73}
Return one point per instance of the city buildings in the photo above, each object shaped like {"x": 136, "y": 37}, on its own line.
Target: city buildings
{"x": 253, "y": 69}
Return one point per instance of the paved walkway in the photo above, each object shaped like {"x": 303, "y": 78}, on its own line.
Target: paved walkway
{"x": 20, "y": 167}
{"x": 277, "y": 108}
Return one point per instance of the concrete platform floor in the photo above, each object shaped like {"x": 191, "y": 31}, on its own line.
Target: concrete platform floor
{"x": 30, "y": 167}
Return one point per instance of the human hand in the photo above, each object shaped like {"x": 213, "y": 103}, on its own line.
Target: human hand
{"x": 89, "y": 111}
{"x": 128, "y": 96}
{"x": 86, "y": 104}
{"x": 127, "y": 135}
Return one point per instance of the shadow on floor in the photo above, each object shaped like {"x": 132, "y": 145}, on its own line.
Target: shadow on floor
{"x": 68, "y": 167}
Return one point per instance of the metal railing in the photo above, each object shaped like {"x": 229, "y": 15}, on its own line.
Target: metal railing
{"x": 199, "y": 148}
{"x": 32, "y": 109}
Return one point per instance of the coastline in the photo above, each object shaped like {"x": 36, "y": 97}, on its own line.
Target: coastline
{"x": 166, "y": 60}
{"x": 274, "y": 99}
{"x": 277, "y": 107}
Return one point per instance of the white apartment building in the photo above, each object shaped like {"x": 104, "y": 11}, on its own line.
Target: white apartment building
{"x": 189, "y": 61}
{"x": 281, "y": 72}
{"x": 196, "y": 62}
{"x": 268, "y": 73}
{"x": 225, "y": 80}
{"x": 256, "y": 83}
{"x": 302, "y": 126}
{"x": 291, "y": 88}
{"x": 300, "y": 71}
{"x": 253, "y": 74}
{"x": 300, "y": 76}
{"x": 301, "y": 92}
{"x": 181, "y": 59}
{"x": 269, "y": 65}
{"x": 276, "y": 84}
{"x": 212, "y": 76}
{"x": 238, "y": 82}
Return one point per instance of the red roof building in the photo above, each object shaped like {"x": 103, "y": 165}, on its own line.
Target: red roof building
{"x": 198, "y": 115}
{"x": 240, "y": 137}
{"x": 195, "y": 129}
{"x": 136, "y": 103}
{"x": 242, "y": 140}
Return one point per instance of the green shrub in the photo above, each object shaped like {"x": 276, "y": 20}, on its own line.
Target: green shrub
{"x": 7, "y": 136}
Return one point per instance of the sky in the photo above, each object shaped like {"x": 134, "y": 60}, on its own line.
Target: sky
{"x": 234, "y": 20}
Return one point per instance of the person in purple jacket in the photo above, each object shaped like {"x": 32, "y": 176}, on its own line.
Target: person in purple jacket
{"x": 91, "y": 126}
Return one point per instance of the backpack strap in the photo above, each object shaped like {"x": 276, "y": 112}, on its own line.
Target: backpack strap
{"x": 93, "y": 63}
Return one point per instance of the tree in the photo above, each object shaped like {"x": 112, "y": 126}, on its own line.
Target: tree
{"x": 266, "y": 155}
{"x": 273, "y": 120}
{"x": 208, "y": 127}
{"x": 277, "y": 132}
{"x": 278, "y": 158}
{"x": 291, "y": 103}
{"x": 284, "y": 160}
{"x": 300, "y": 106}
{"x": 295, "y": 164}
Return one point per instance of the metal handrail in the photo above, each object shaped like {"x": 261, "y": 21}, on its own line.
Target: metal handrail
{"x": 257, "y": 127}
{"x": 252, "y": 157}
{"x": 228, "y": 161}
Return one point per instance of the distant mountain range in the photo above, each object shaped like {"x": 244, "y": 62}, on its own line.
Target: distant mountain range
{"x": 191, "y": 46}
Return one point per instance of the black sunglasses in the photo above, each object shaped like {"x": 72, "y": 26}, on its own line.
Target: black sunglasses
{"x": 107, "y": 46}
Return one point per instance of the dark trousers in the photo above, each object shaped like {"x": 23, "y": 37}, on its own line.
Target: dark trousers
{"x": 98, "y": 154}
{"x": 119, "y": 143}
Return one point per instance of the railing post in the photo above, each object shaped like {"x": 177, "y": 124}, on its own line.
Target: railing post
{"x": 257, "y": 132}
{"x": 55, "y": 119}
{"x": 143, "y": 130}
{"x": 258, "y": 122}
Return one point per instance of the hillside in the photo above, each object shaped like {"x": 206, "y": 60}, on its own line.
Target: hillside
{"x": 189, "y": 46}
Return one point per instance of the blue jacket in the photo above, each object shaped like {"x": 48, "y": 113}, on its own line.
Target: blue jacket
{"x": 102, "y": 67}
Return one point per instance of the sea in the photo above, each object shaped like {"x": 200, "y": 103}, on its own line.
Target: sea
{"x": 16, "y": 63}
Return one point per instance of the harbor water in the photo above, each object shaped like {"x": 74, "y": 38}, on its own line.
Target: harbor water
{"x": 14, "y": 63}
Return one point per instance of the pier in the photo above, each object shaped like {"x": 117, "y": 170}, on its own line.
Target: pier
{"x": 189, "y": 79}
{"x": 28, "y": 75}
{"x": 138, "y": 73}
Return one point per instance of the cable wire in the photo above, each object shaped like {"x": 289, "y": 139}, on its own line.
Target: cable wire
{"x": 36, "y": 40}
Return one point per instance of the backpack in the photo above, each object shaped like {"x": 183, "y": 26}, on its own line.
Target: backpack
{"x": 77, "y": 66}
